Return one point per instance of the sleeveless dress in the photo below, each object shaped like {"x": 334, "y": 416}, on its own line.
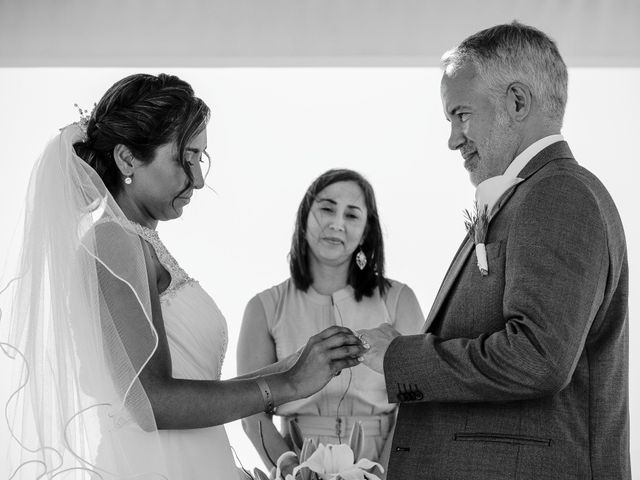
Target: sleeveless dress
{"x": 359, "y": 393}
{"x": 197, "y": 335}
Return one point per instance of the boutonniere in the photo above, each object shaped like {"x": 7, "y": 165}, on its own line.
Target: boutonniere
{"x": 477, "y": 223}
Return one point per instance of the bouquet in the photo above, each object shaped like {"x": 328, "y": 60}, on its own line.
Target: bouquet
{"x": 325, "y": 462}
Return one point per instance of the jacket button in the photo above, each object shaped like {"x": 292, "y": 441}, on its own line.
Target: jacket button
{"x": 419, "y": 396}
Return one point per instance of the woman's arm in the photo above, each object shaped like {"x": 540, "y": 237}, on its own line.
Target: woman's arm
{"x": 257, "y": 351}
{"x": 408, "y": 316}
{"x": 182, "y": 404}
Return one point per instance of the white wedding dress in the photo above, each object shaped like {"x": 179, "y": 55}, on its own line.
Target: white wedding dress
{"x": 197, "y": 335}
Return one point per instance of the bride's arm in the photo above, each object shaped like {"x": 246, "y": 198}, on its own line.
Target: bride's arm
{"x": 257, "y": 354}
{"x": 182, "y": 404}
{"x": 276, "y": 367}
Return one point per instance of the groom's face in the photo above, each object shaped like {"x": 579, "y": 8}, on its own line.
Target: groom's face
{"x": 480, "y": 129}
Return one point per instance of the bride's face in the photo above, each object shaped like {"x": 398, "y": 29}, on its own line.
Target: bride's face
{"x": 336, "y": 223}
{"x": 157, "y": 185}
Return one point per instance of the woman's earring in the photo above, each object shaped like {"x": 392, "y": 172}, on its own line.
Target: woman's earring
{"x": 361, "y": 259}
{"x": 128, "y": 180}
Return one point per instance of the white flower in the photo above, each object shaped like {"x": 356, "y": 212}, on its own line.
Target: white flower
{"x": 488, "y": 195}
{"x": 279, "y": 463}
{"x": 477, "y": 223}
{"x": 332, "y": 461}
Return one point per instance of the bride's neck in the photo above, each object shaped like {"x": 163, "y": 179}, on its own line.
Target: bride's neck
{"x": 134, "y": 212}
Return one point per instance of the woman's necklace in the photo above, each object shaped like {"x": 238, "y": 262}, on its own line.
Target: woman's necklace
{"x": 338, "y": 419}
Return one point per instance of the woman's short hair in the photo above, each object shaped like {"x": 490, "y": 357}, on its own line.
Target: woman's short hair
{"x": 142, "y": 112}
{"x": 365, "y": 281}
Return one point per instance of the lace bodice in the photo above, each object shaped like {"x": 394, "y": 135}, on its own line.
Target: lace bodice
{"x": 178, "y": 276}
{"x": 196, "y": 329}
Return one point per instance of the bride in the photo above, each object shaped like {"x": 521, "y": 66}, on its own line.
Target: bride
{"x": 116, "y": 351}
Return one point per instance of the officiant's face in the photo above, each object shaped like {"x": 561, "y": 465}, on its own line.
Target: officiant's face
{"x": 336, "y": 223}
{"x": 480, "y": 128}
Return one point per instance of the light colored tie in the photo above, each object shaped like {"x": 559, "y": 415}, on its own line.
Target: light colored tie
{"x": 489, "y": 191}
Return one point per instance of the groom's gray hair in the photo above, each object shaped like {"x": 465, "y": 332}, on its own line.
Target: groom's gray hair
{"x": 515, "y": 53}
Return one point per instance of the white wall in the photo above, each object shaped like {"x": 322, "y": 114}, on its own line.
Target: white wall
{"x": 274, "y": 130}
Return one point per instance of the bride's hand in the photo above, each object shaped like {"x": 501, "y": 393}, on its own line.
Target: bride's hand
{"x": 323, "y": 357}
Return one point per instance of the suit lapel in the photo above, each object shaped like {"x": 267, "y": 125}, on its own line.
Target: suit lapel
{"x": 455, "y": 268}
{"x": 554, "y": 151}
{"x": 504, "y": 198}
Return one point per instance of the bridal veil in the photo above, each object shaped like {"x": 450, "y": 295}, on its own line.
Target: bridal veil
{"x": 76, "y": 408}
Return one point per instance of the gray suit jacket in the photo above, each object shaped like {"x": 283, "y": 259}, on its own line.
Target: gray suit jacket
{"x": 523, "y": 374}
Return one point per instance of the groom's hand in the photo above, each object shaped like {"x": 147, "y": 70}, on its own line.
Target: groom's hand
{"x": 378, "y": 340}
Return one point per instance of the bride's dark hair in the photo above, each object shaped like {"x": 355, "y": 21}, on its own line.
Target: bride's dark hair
{"x": 142, "y": 112}
{"x": 365, "y": 281}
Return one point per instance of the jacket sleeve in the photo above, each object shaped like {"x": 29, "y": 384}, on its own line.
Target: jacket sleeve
{"x": 555, "y": 274}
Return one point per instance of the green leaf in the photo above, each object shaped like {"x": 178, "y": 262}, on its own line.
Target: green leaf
{"x": 296, "y": 436}
{"x": 356, "y": 440}
{"x": 308, "y": 448}
{"x": 259, "y": 474}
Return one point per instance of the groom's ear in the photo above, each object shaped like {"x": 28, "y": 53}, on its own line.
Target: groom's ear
{"x": 518, "y": 101}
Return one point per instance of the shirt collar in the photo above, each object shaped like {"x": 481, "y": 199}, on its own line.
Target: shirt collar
{"x": 489, "y": 191}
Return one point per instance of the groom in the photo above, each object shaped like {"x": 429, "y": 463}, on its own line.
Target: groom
{"x": 522, "y": 372}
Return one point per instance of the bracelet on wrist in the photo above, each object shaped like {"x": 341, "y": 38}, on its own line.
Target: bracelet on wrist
{"x": 267, "y": 396}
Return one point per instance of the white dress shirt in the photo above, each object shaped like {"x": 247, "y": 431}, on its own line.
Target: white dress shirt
{"x": 489, "y": 191}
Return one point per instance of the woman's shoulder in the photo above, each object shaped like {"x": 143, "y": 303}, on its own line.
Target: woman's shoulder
{"x": 394, "y": 288}
{"x": 395, "y": 283}
{"x": 273, "y": 296}
{"x": 403, "y": 307}
{"x": 277, "y": 291}
{"x": 396, "y": 293}
{"x": 112, "y": 240}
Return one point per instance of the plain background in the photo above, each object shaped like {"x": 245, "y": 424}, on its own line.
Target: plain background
{"x": 273, "y": 130}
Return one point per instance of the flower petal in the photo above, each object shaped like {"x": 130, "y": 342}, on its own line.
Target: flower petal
{"x": 280, "y": 460}
{"x": 371, "y": 476}
{"x": 338, "y": 458}
{"x": 316, "y": 462}
{"x": 351, "y": 474}
{"x": 366, "y": 464}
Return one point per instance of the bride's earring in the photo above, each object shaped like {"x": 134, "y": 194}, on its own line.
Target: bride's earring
{"x": 128, "y": 180}
{"x": 361, "y": 259}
